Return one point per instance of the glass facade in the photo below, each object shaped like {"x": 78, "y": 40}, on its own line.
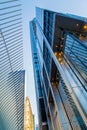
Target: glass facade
{"x": 11, "y": 66}
{"x": 77, "y": 51}
{"x": 61, "y": 55}
{"x": 37, "y": 65}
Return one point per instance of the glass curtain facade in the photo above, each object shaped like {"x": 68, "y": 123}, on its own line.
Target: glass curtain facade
{"x": 11, "y": 66}
{"x": 37, "y": 65}
{"x": 59, "y": 41}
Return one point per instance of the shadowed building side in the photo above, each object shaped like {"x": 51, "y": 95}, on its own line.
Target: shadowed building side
{"x": 59, "y": 53}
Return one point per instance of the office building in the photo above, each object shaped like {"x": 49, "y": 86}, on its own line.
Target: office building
{"x": 59, "y": 53}
{"x": 28, "y": 116}
{"x": 12, "y": 76}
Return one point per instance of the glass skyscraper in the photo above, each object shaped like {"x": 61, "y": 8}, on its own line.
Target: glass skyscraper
{"x": 12, "y": 75}
{"x": 59, "y": 53}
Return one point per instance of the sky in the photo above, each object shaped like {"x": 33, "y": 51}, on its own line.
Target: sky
{"x": 77, "y": 7}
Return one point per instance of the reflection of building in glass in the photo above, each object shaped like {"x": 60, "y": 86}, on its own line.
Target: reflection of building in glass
{"x": 11, "y": 66}
{"x": 13, "y": 101}
{"x": 36, "y": 127}
{"x": 59, "y": 52}
{"x": 28, "y": 116}
{"x": 16, "y": 81}
{"x": 34, "y": 121}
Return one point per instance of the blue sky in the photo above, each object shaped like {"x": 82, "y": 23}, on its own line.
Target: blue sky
{"x": 76, "y": 7}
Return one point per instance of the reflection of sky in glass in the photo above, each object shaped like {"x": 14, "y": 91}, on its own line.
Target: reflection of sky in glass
{"x": 66, "y": 6}
{"x": 11, "y": 62}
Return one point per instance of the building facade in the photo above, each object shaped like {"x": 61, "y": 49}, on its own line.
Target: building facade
{"x": 28, "y": 116}
{"x": 59, "y": 53}
{"x": 12, "y": 76}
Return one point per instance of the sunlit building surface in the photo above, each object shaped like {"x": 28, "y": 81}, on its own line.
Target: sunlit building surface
{"x": 11, "y": 66}
{"x": 59, "y": 53}
{"x": 28, "y": 116}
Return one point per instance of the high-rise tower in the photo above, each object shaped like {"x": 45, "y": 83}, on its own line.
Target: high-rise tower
{"x": 28, "y": 116}
{"x": 59, "y": 52}
{"x": 11, "y": 66}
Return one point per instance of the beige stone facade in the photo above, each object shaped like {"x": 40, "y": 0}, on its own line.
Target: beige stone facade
{"x": 28, "y": 116}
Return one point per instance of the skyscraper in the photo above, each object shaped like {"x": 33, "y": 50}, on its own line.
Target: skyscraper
{"x": 59, "y": 53}
{"x": 11, "y": 66}
{"x": 28, "y": 116}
